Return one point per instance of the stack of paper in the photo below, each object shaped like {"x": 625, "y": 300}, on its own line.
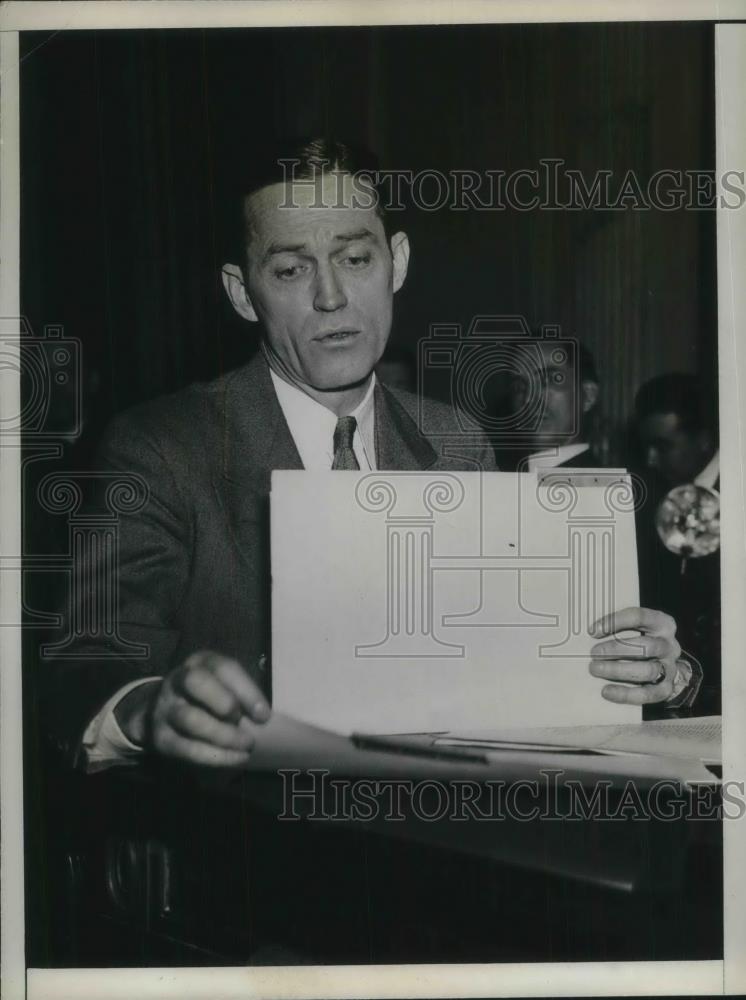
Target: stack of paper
{"x": 691, "y": 739}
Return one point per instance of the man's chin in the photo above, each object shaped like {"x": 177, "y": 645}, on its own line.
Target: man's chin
{"x": 343, "y": 380}
{"x": 343, "y": 386}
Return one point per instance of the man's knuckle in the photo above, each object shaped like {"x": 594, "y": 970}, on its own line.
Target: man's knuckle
{"x": 194, "y": 681}
{"x": 225, "y": 705}
{"x": 224, "y": 668}
{"x": 192, "y": 719}
{"x": 195, "y": 659}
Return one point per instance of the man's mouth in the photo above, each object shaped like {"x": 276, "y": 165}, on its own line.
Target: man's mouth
{"x": 336, "y": 336}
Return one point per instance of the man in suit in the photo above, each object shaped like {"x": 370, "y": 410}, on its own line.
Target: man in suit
{"x": 676, "y": 434}
{"x": 567, "y": 390}
{"x": 317, "y": 271}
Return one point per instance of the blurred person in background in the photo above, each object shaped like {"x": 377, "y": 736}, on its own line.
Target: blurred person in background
{"x": 565, "y": 431}
{"x": 676, "y": 443}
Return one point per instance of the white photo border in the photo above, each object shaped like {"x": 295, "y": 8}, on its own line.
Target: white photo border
{"x": 539, "y": 979}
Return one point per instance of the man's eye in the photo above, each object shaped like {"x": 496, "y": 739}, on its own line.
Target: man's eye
{"x": 290, "y": 272}
{"x": 356, "y": 260}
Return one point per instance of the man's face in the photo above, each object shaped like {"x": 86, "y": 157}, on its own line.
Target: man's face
{"x": 320, "y": 276}
{"x": 549, "y": 390}
{"x": 677, "y": 454}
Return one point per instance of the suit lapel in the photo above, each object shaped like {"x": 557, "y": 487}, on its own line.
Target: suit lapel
{"x": 399, "y": 444}
{"x": 255, "y": 439}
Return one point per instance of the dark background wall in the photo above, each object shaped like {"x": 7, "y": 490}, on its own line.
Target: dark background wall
{"x": 126, "y": 137}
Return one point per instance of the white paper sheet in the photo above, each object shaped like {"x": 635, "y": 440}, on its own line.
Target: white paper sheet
{"x": 446, "y": 601}
{"x": 698, "y": 739}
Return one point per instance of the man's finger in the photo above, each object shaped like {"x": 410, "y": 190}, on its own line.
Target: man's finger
{"x": 200, "y": 686}
{"x": 230, "y": 673}
{"x": 629, "y": 671}
{"x": 639, "y": 647}
{"x": 638, "y": 694}
{"x": 195, "y": 723}
{"x": 642, "y": 619}
{"x": 173, "y": 744}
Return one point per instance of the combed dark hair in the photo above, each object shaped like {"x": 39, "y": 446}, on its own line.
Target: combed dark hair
{"x": 300, "y": 159}
{"x": 676, "y": 393}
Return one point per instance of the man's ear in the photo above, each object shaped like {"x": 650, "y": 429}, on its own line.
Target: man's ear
{"x": 589, "y": 394}
{"x": 235, "y": 289}
{"x": 400, "y": 254}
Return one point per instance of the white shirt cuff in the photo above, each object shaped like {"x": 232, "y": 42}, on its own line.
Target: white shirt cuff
{"x": 104, "y": 743}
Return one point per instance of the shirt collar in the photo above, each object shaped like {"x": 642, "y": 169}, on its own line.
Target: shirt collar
{"x": 710, "y": 474}
{"x": 312, "y": 425}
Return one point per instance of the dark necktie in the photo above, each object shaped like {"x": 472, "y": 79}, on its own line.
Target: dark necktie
{"x": 344, "y": 456}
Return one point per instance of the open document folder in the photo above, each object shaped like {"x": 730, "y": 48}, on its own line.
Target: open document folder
{"x": 422, "y": 602}
{"x": 688, "y": 739}
{"x": 682, "y": 750}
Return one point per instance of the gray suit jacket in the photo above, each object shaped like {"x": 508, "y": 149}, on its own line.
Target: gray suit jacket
{"x": 193, "y": 567}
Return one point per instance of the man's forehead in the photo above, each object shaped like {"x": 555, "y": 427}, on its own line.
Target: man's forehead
{"x": 322, "y": 209}
{"x": 662, "y": 423}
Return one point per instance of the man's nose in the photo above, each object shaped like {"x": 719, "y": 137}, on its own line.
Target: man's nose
{"x": 329, "y": 294}
{"x": 651, "y": 458}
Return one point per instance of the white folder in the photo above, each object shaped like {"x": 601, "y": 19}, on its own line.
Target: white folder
{"x": 432, "y": 602}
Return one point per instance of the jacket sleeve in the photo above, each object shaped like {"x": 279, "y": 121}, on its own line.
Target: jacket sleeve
{"x": 135, "y": 584}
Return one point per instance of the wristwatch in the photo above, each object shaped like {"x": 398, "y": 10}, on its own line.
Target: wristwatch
{"x": 687, "y": 682}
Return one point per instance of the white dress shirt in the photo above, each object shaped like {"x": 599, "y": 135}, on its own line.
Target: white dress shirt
{"x": 312, "y": 428}
{"x": 710, "y": 474}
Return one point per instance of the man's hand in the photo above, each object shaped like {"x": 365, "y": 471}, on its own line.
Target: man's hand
{"x": 204, "y": 712}
{"x": 647, "y": 661}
